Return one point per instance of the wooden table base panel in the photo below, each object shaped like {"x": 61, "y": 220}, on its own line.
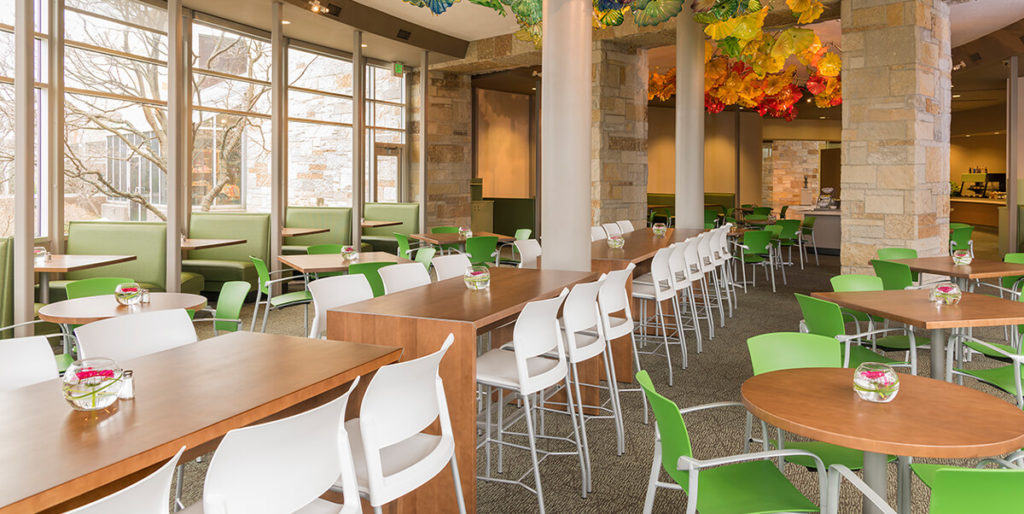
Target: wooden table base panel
{"x": 421, "y": 337}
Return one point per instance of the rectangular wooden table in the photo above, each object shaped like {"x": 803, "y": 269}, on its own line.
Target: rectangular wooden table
{"x": 455, "y": 238}
{"x": 914, "y": 308}
{"x": 419, "y": 319}
{"x": 203, "y": 244}
{"x": 977, "y": 269}
{"x": 187, "y": 396}
{"x": 60, "y": 263}
{"x": 379, "y": 223}
{"x": 323, "y": 263}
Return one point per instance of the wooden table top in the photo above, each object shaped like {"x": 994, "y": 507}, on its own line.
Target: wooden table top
{"x": 640, "y": 245}
{"x": 455, "y": 238}
{"x": 302, "y": 231}
{"x": 94, "y": 308}
{"x": 928, "y": 418}
{"x": 510, "y": 290}
{"x": 203, "y": 244}
{"x": 978, "y": 268}
{"x": 60, "y": 263}
{"x": 321, "y": 263}
{"x": 913, "y": 307}
{"x": 183, "y": 396}
{"x": 379, "y": 223}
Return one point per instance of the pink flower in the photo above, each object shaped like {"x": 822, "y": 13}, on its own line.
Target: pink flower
{"x": 89, "y": 373}
{"x": 872, "y": 374}
{"x": 129, "y": 289}
{"x": 945, "y": 289}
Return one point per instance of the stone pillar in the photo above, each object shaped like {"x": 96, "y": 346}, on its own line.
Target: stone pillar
{"x": 449, "y": 147}
{"x": 619, "y": 134}
{"x": 690, "y": 123}
{"x": 896, "y": 108}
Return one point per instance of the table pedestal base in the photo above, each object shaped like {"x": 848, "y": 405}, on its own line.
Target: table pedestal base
{"x": 938, "y": 354}
{"x": 876, "y": 476}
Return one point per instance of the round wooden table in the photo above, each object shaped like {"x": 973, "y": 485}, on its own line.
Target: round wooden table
{"x": 928, "y": 418}
{"x": 94, "y": 308}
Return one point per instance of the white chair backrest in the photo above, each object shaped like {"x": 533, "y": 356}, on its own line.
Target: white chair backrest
{"x": 537, "y": 333}
{"x": 704, "y": 253}
{"x": 580, "y": 312}
{"x": 401, "y": 401}
{"x": 450, "y": 266}
{"x": 529, "y": 250}
{"x": 597, "y": 234}
{"x": 151, "y": 495}
{"x": 135, "y": 335}
{"x": 400, "y": 277}
{"x": 614, "y": 299}
{"x": 612, "y": 229}
{"x": 694, "y": 271}
{"x": 661, "y": 274}
{"x": 25, "y": 361}
{"x": 331, "y": 292}
{"x": 625, "y": 226}
{"x": 677, "y": 265}
{"x": 282, "y": 465}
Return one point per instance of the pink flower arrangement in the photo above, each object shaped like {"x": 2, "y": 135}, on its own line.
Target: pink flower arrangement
{"x": 90, "y": 372}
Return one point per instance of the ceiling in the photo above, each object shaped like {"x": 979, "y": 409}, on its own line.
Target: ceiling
{"x": 972, "y": 19}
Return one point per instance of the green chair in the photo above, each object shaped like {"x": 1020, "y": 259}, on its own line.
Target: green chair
{"x": 1013, "y": 284}
{"x": 747, "y": 205}
{"x": 824, "y": 318}
{"x": 710, "y": 217}
{"x": 789, "y": 237}
{"x": 892, "y": 254}
{"x": 954, "y": 226}
{"x": 756, "y": 217}
{"x": 521, "y": 234}
{"x": 482, "y": 249}
{"x": 855, "y": 282}
{"x": 739, "y": 483}
{"x": 271, "y": 302}
{"x": 1006, "y": 378}
{"x": 762, "y": 211}
{"x": 960, "y": 239}
{"x": 405, "y": 247}
{"x": 94, "y": 286}
{"x": 895, "y": 275}
{"x": 446, "y": 230}
{"x": 424, "y": 255}
{"x": 757, "y": 250}
{"x": 957, "y": 490}
{"x": 807, "y": 234}
{"x": 227, "y": 316}
{"x": 369, "y": 269}
{"x": 782, "y": 213}
{"x": 775, "y": 230}
{"x": 325, "y": 249}
{"x": 792, "y": 350}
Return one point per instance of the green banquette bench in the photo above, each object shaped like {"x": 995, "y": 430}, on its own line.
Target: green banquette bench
{"x": 382, "y": 238}
{"x": 338, "y": 219}
{"x": 227, "y": 263}
{"x": 7, "y": 292}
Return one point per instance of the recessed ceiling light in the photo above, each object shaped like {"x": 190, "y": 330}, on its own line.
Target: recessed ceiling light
{"x": 956, "y": 96}
{"x": 968, "y": 135}
{"x": 533, "y": 89}
{"x": 363, "y": 45}
{"x": 809, "y": 100}
{"x": 822, "y": 117}
{"x": 285, "y": 22}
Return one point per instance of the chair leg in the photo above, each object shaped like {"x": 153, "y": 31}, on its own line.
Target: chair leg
{"x": 588, "y": 481}
{"x": 660, "y": 313}
{"x": 266, "y": 316}
{"x": 533, "y": 451}
{"x": 458, "y": 485}
{"x": 682, "y": 338}
{"x": 652, "y": 481}
{"x": 581, "y": 446}
{"x": 179, "y": 475}
{"x": 636, "y": 361}
{"x": 815, "y": 244}
{"x": 255, "y": 311}
{"x": 613, "y": 392}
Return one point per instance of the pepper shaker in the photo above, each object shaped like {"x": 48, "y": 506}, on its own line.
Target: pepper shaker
{"x": 127, "y": 391}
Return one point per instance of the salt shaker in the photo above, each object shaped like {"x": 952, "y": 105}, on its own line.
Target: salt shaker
{"x": 127, "y": 391}
{"x": 145, "y": 296}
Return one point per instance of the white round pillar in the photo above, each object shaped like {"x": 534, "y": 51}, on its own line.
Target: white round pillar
{"x": 689, "y": 123}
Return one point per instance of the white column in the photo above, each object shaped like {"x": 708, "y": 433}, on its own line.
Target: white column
{"x": 358, "y": 136}
{"x": 1014, "y": 140}
{"x": 176, "y": 160}
{"x": 690, "y": 123}
{"x": 424, "y": 103}
{"x": 565, "y": 136}
{"x": 55, "y": 124}
{"x": 279, "y": 132}
{"x": 24, "y": 162}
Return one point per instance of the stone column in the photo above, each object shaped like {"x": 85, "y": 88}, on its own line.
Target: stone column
{"x": 896, "y": 108}
{"x": 690, "y": 123}
{"x": 619, "y": 134}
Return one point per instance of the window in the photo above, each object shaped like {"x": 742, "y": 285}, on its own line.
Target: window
{"x": 385, "y": 133}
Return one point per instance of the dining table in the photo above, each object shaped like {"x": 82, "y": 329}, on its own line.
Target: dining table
{"x": 79, "y": 311}
{"x": 454, "y": 238}
{"x": 419, "y": 319}
{"x": 914, "y": 307}
{"x": 978, "y": 269}
{"x": 333, "y": 262}
{"x": 189, "y": 243}
{"x": 927, "y": 418}
{"x": 61, "y": 263}
{"x": 58, "y": 458}
{"x": 379, "y": 223}
{"x": 302, "y": 231}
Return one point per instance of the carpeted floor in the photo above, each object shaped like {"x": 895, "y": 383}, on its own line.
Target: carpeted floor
{"x": 715, "y": 375}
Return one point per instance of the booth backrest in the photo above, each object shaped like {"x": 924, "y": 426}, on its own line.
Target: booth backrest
{"x": 147, "y": 241}
{"x": 338, "y": 219}
{"x": 724, "y": 199}
{"x": 407, "y": 213}
{"x": 253, "y": 227}
{"x": 6, "y": 282}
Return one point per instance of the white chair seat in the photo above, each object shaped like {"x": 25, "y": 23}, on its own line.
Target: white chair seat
{"x": 498, "y": 368}
{"x": 317, "y": 506}
{"x": 397, "y": 460}
{"x": 618, "y": 326}
{"x": 588, "y": 346}
{"x": 647, "y": 292}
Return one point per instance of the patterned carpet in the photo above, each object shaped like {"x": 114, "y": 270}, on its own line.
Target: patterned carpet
{"x": 715, "y": 375}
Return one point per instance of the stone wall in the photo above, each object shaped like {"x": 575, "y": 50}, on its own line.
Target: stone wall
{"x": 793, "y": 163}
{"x": 896, "y": 113}
{"x": 619, "y": 134}
{"x": 449, "y": 147}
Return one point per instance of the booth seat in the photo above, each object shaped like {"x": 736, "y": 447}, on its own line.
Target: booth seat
{"x": 147, "y": 241}
{"x": 338, "y": 219}
{"x": 228, "y": 263}
{"x": 382, "y": 238}
{"x": 7, "y": 293}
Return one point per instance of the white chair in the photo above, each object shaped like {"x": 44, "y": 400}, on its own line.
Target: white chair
{"x": 660, "y": 289}
{"x": 597, "y": 234}
{"x": 450, "y": 266}
{"x": 527, "y": 372}
{"x": 151, "y": 495}
{"x": 706, "y": 261}
{"x": 684, "y": 290}
{"x": 127, "y": 337}
{"x": 283, "y": 465}
{"x": 332, "y": 292}
{"x": 611, "y": 229}
{"x": 25, "y": 361}
{"x": 625, "y": 226}
{"x": 393, "y": 456}
{"x": 613, "y": 300}
{"x": 529, "y": 250}
{"x": 695, "y": 274}
{"x": 400, "y": 277}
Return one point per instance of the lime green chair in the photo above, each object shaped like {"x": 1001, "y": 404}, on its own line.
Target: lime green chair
{"x": 955, "y": 490}
{"x": 960, "y": 239}
{"x": 1011, "y": 283}
{"x": 762, "y": 211}
{"x": 757, "y": 251}
{"x": 782, "y": 213}
{"x": 446, "y": 230}
{"x": 954, "y": 226}
{"x": 756, "y": 217}
{"x": 855, "y": 282}
{"x": 369, "y": 270}
{"x": 1006, "y": 378}
{"x": 227, "y": 317}
{"x": 521, "y": 234}
{"x": 891, "y": 254}
{"x": 424, "y": 255}
{"x": 895, "y": 275}
{"x": 404, "y": 245}
{"x": 807, "y": 234}
{"x": 482, "y": 249}
{"x": 325, "y": 249}
{"x": 94, "y": 286}
{"x": 824, "y": 318}
{"x": 739, "y": 483}
{"x": 270, "y": 301}
{"x": 710, "y": 217}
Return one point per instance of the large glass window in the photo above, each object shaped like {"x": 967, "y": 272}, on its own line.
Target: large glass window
{"x": 385, "y": 133}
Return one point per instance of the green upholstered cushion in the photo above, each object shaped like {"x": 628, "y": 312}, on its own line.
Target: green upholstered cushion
{"x": 407, "y": 213}
{"x": 215, "y": 270}
{"x": 294, "y": 249}
{"x": 338, "y": 219}
{"x": 253, "y": 227}
{"x": 6, "y": 281}
{"x": 380, "y": 244}
{"x": 146, "y": 241}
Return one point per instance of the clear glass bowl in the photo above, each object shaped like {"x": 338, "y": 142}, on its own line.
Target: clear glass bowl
{"x": 946, "y": 293}
{"x": 349, "y": 252}
{"x": 616, "y": 241}
{"x": 876, "y": 382}
{"x": 477, "y": 278}
{"x": 962, "y": 257}
{"x": 92, "y": 384}
{"x": 128, "y": 293}
{"x": 659, "y": 229}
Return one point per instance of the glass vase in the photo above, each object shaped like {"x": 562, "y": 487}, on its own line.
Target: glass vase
{"x": 659, "y": 229}
{"x": 616, "y": 241}
{"x": 946, "y": 293}
{"x": 477, "y": 278}
{"x": 876, "y": 382}
{"x": 128, "y": 293}
{"x": 92, "y": 384}
{"x": 962, "y": 257}
{"x": 349, "y": 253}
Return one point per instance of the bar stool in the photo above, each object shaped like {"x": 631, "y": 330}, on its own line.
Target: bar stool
{"x": 694, "y": 272}
{"x": 332, "y": 292}
{"x": 706, "y": 262}
{"x": 613, "y": 300}
{"x": 660, "y": 289}
{"x": 684, "y": 290}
